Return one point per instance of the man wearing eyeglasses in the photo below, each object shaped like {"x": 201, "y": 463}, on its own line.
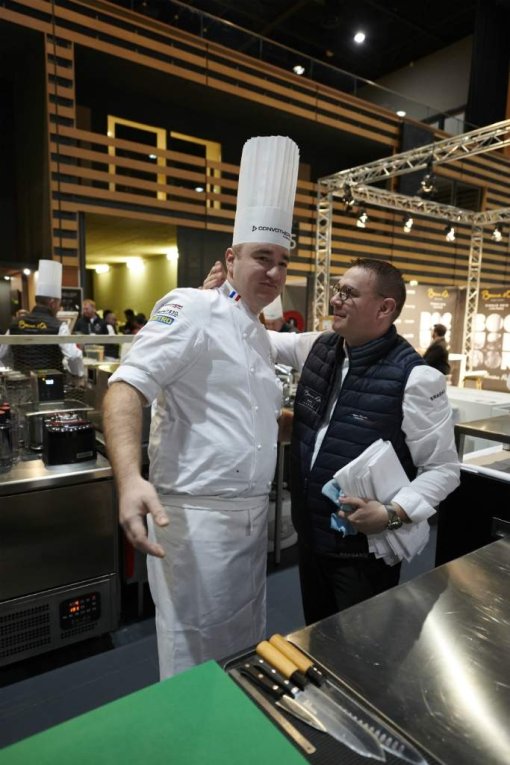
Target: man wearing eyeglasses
{"x": 359, "y": 383}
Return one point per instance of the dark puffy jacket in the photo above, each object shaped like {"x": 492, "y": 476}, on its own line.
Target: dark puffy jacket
{"x": 369, "y": 407}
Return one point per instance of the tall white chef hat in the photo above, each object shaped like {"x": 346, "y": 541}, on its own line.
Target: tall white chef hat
{"x": 266, "y": 191}
{"x": 274, "y": 310}
{"x": 49, "y": 282}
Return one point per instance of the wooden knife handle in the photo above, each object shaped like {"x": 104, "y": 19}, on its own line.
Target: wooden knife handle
{"x": 302, "y": 662}
{"x": 277, "y": 660}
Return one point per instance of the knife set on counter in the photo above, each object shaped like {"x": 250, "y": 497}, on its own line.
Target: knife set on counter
{"x": 282, "y": 675}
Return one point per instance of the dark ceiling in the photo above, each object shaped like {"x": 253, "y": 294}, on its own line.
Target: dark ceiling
{"x": 398, "y": 32}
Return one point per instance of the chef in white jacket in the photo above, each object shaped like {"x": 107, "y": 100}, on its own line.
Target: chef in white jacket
{"x": 204, "y": 360}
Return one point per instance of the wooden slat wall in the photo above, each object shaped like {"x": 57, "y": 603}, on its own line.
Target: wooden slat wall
{"x": 84, "y": 177}
{"x": 61, "y": 113}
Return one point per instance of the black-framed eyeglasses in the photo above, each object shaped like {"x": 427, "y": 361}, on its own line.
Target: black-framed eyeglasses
{"x": 344, "y": 292}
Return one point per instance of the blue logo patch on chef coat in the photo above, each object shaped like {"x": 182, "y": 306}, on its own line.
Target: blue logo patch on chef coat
{"x": 162, "y": 318}
{"x": 166, "y": 314}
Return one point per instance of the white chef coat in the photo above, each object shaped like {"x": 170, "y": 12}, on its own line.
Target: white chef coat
{"x": 72, "y": 355}
{"x": 427, "y": 423}
{"x": 206, "y": 361}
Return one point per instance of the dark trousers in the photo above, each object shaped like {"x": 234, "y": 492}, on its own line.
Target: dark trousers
{"x": 330, "y": 584}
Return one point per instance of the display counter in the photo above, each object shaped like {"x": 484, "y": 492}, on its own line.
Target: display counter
{"x": 58, "y": 556}
{"x": 466, "y": 517}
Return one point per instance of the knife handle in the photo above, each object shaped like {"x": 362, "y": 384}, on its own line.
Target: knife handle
{"x": 302, "y": 662}
{"x": 276, "y": 676}
{"x": 259, "y": 679}
{"x": 280, "y": 662}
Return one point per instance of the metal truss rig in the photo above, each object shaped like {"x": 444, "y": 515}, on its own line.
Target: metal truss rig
{"x": 354, "y": 182}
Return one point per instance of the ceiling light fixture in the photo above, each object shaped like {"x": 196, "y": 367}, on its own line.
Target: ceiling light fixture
{"x": 172, "y": 254}
{"x": 298, "y": 69}
{"x": 359, "y": 37}
{"x": 102, "y": 268}
{"x": 408, "y": 223}
{"x": 7, "y": 278}
{"x": 347, "y": 197}
{"x": 27, "y": 271}
{"x": 428, "y": 182}
{"x": 413, "y": 283}
{"x": 401, "y": 113}
{"x": 199, "y": 189}
{"x": 362, "y": 219}
{"x": 136, "y": 265}
{"x": 497, "y": 234}
{"x": 152, "y": 156}
{"x": 449, "y": 233}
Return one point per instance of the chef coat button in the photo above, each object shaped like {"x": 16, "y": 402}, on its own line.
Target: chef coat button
{"x": 252, "y": 369}
{"x": 256, "y": 408}
{"x": 245, "y": 335}
{"x": 259, "y": 446}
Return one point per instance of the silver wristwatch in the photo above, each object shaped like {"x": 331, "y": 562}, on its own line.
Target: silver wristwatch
{"x": 394, "y": 520}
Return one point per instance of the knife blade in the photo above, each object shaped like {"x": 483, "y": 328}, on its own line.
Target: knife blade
{"x": 390, "y": 740}
{"x": 284, "y": 699}
{"x": 273, "y": 713}
{"x": 337, "y": 721}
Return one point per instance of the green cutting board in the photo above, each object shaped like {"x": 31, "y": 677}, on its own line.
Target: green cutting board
{"x": 198, "y": 717}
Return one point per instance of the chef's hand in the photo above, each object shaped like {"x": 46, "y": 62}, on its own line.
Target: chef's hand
{"x": 215, "y": 277}
{"x": 137, "y": 499}
{"x": 369, "y": 517}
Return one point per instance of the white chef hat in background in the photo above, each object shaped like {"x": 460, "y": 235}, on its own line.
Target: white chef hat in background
{"x": 266, "y": 191}
{"x": 274, "y": 310}
{"x": 49, "y": 280}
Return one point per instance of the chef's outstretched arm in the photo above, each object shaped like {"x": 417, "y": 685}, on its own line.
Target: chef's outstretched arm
{"x": 122, "y": 422}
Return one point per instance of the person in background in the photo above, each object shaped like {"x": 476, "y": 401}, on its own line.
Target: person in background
{"x": 139, "y": 321}
{"x": 359, "y": 383}
{"x": 204, "y": 358}
{"x": 127, "y": 328}
{"x": 110, "y": 320}
{"x": 436, "y": 354}
{"x": 42, "y": 320}
{"x": 90, "y": 322}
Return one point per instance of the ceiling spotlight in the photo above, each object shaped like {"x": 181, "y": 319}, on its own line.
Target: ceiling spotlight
{"x": 362, "y": 219}
{"x": 102, "y": 268}
{"x": 359, "y": 37}
{"x": 136, "y": 265}
{"x": 347, "y": 198}
{"x": 298, "y": 69}
{"x": 497, "y": 234}
{"x": 449, "y": 233}
{"x": 401, "y": 113}
{"x": 172, "y": 254}
{"x": 27, "y": 271}
{"x": 428, "y": 182}
{"x": 199, "y": 189}
{"x": 413, "y": 283}
{"x": 7, "y": 278}
{"x": 408, "y": 223}
{"x": 152, "y": 156}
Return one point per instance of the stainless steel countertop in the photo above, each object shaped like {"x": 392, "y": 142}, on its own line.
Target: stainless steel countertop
{"x": 34, "y": 475}
{"x": 491, "y": 428}
{"x": 433, "y": 656}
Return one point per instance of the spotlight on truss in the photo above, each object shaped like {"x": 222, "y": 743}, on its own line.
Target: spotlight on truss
{"x": 497, "y": 234}
{"x": 362, "y": 219}
{"x": 408, "y": 223}
{"x": 449, "y": 233}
